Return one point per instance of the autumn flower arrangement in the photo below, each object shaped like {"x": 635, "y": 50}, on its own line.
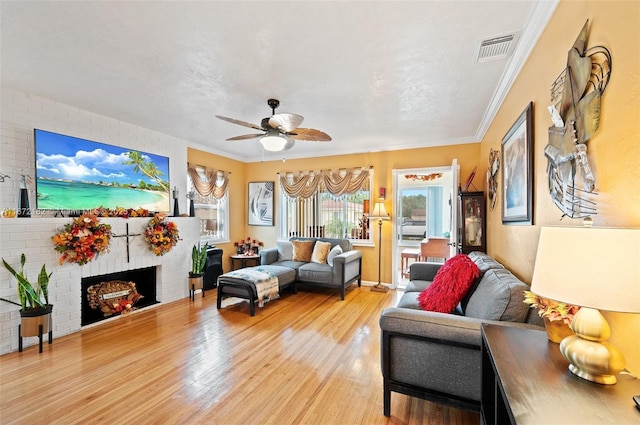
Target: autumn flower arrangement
{"x": 552, "y": 310}
{"x": 120, "y": 212}
{"x": 124, "y": 305}
{"x": 83, "y": 239}
{"x": 248, "y": 246}
{"x": 161, "y": 235}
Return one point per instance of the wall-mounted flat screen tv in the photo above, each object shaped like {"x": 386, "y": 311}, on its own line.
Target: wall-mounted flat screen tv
{"x": 76, "y": 174}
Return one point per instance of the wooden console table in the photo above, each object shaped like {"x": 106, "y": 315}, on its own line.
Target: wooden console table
{"x": 525, "y": 380}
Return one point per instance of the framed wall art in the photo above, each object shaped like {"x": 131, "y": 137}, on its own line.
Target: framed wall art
{"x": 261, "y": 203}
{"x": 517, "y": 170}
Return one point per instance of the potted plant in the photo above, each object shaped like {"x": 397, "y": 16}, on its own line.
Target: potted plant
{"x": 35, "y": 310}
{"x": 198, "y": 262}
{"x": 557, "y": 316}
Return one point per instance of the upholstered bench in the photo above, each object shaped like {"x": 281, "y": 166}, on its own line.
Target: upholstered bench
{"x": 230, "y": 285}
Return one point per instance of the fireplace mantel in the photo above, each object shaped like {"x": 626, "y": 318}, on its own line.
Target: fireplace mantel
{"x": 32, "y": 236}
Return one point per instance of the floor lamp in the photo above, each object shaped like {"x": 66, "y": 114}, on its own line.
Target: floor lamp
{"x": 381, "y": 214}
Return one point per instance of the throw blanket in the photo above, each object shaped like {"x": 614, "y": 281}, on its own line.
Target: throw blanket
{"x": 266, "y": 283}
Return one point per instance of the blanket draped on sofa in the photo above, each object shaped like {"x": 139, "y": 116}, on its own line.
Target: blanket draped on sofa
{"x": 266, "y": 283}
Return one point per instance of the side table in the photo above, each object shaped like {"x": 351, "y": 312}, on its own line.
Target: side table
{"x": 525, "y": 380}
{"x": 244, "y": 261}
{"x": 405, "y": 256}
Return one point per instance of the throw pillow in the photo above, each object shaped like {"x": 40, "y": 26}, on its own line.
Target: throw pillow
{"x": 450, "y": 284}
{"x": 335, "y": 251}
{"x": 285, "y": 251}
{"x": 302, "y": 250}
{"x": 320, "y": 252}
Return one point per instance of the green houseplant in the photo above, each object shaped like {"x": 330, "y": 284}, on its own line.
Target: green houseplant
{"x": 35, "y": 309}
{"x": 198, "y": 258}
{"x": 198, "y": 262}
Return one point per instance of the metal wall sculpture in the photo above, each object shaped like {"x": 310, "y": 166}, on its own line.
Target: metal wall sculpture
{"x": 575, "y": 112}
{"x": 492, "y": 177}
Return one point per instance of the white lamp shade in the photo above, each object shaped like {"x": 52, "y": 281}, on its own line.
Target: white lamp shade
{"x": 589, "y": 266}
{"x": 273, "y": 143}
{"x": 379, "y": 212}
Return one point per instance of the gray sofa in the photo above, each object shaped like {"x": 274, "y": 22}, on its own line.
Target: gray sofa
{"x": 346, "y": 267}
{"x": 436, "y": 356}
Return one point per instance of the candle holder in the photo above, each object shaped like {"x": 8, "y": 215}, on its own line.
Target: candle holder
{"x": 176, "y": 208}
{"x": 191, "y": 195}
{"x": 23, "y": 198}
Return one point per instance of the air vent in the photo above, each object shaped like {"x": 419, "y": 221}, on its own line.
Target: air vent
{"x": 495, "y": 48}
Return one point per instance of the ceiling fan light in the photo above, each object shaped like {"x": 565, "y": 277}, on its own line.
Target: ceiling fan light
{"x": 273, "y": 143}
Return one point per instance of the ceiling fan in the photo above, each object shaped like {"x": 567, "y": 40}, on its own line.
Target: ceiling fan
{"x": 279, "y": 131}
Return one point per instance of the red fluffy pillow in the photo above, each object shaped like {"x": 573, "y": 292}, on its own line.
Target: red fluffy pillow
{"x": 450, "y": 284}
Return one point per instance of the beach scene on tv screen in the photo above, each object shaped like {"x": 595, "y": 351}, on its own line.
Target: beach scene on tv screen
{"x": 79, "y": 174}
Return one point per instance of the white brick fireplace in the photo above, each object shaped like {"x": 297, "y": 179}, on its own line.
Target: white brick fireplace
{"x": 32, "y": 236}
{"x": 20, "y": 113}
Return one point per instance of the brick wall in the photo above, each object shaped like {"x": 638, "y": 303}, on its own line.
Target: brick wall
{"x": 20, "y": 113}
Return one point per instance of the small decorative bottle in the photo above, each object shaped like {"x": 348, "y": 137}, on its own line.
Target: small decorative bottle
{"x": 23, "y": 198}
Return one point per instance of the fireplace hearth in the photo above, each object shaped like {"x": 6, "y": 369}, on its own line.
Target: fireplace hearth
{"x": 145, "y": 286}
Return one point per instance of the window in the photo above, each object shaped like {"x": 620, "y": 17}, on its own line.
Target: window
{"x": 325, "y": 214}
{"x": 212, "y": 208}
{"x": 421, "y": 210}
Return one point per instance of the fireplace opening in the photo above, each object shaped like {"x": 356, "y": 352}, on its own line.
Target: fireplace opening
{"x": 109, "y": 295}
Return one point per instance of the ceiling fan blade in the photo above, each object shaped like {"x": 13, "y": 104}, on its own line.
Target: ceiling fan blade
{"x": 242, "y": 123}
{"x": 309, "y": 134}
{"x": 246, "y": 136}
{"x": 286, "y": 122}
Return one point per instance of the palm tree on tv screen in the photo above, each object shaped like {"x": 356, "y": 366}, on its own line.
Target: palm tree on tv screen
{"x": 147, "y": 168}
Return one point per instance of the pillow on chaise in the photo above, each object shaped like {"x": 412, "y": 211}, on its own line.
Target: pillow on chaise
{"x": 302, "y": 250}
{"x": 320, "y": 252}
{"x": 285, "y": 251}
{"x": 450, "y": 284}
{"x": 335, "y": 251}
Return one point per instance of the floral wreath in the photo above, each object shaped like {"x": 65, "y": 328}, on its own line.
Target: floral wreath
{"x": 82, "y": 240}
{"x": 161, "y": 235}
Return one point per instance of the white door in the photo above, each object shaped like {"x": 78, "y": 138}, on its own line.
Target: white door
{"x": 455, "y": 179}
{"x": 424, "y": 206}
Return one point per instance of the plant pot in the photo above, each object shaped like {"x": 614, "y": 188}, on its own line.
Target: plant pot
{"x": 31, "y": 319}
{"x": 557, "y": 330}
{"x": 196, "y": 280}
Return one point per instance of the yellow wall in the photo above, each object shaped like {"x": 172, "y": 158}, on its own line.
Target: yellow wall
{"x": 383, "y": 163}
{"x": 614, "y": 151}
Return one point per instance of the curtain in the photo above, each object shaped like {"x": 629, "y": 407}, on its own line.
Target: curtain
{"x": 304, "y": 184}
{"x": 215, "y": 184}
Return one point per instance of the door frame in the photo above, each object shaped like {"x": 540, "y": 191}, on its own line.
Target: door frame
{"x": 454, "y": 168}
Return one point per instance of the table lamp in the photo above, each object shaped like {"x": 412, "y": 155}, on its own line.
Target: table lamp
{"x": 594, "y": 268}
{"x": 379, "y": 213}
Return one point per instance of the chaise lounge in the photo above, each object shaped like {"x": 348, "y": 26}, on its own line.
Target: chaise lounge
{"x": 324, "y": 262}
{"x": 338, "y": 268}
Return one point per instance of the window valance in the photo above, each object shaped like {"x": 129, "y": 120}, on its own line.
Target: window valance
{"x": 304, "y": 184}
{"x": 214, "y": 183}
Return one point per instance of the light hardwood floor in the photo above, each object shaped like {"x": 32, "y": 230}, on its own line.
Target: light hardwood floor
{"x": 308, "y": 358}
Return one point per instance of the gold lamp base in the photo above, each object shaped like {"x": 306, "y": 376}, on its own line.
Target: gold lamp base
{"x": 379, "y": 288}
{"x": 590, "y": 356}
